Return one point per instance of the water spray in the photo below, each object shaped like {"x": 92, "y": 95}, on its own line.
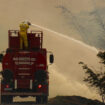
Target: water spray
{"x": 65, "y": 36}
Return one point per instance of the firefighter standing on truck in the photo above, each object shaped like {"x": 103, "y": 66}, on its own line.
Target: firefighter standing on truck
{"x": 23, "y": 34}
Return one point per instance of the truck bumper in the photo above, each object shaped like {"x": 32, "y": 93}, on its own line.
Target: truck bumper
{"x": 23, "y": 94}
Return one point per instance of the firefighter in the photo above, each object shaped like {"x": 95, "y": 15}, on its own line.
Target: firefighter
{"x": 23, "y": 34}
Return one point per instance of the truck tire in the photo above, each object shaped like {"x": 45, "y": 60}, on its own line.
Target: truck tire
{"x": 40, "y": 75}
{"x": 41, "y": 99}
{"x": 45, "y": 99}
{"x": 6, "y": 99}
{"x": 9, "y": 50}
{"x": 38, "y": 99}
{"x": 7, "y": 75}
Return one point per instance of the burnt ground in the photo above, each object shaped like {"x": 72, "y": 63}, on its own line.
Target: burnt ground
{"x": 64, "y": 100}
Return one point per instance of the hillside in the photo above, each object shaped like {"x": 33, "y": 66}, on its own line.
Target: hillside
{"x": 73, "y": 100}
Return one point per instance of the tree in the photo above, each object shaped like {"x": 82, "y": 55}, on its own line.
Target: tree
{"x": 101, "y": 55}
{"x": 96, "y": 79}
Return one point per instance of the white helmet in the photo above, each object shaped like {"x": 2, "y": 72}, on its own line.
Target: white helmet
{"x": 27, "y": 22}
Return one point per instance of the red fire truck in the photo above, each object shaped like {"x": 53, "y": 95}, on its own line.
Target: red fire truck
{"x": 25, "y": 72}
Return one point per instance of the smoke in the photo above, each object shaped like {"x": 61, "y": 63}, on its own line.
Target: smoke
{"x": 61, "y": 85}
{"x": 65, "y": 75}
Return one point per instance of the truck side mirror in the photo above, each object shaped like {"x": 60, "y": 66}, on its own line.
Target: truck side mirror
{"x": 51, "y": 58}
{"x": 1, "y": 57}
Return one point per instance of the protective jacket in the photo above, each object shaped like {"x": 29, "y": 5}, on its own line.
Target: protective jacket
{"x": 23, "y": 35}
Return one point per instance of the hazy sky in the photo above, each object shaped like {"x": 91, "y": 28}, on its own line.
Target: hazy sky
{"x": 42, "y": 12}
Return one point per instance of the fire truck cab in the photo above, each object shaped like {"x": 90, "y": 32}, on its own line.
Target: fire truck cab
{"x": 25, "y": 72}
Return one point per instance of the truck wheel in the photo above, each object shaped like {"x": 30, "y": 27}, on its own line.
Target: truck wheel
{"x": 38, "y": 99}
{"x": 40, "y": 75}
{"x": 6, "y": 99}
{"x": 9, "y": 50}
{"x": 7, "y": 75}
{"x": 45, "y": 99}
{"x": 41, "y": 99}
